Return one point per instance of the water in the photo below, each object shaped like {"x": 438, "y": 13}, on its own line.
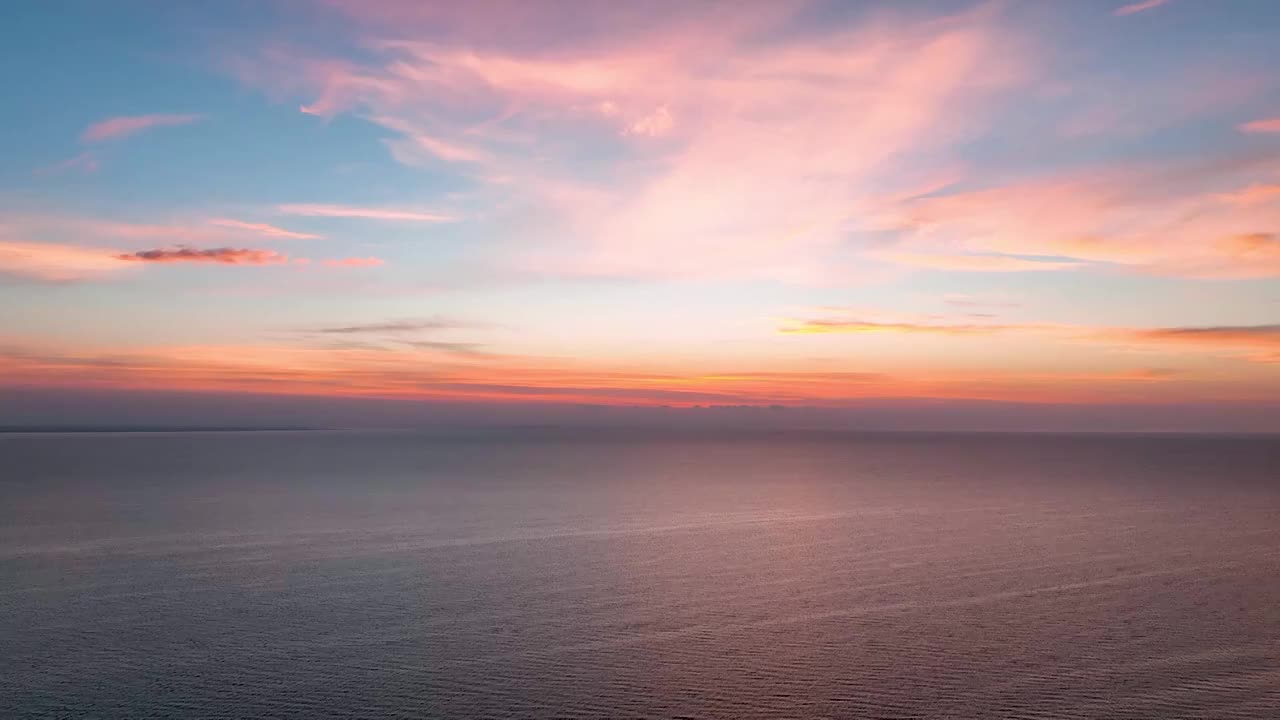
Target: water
{"x": 543, "y": 574}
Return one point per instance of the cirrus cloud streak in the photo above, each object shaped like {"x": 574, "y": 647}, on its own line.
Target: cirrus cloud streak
{"x": 224, "y": 256}
{"x": 368, "y": 213}
{"x": 120, "y": 127}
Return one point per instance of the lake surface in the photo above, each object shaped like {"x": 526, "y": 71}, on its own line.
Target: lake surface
{"x": 548, "y": 574}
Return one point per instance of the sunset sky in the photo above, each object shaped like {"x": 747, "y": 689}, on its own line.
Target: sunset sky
{"x": 978, "y": 214}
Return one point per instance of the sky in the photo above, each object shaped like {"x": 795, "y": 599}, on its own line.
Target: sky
{"x": 935, "y": 214}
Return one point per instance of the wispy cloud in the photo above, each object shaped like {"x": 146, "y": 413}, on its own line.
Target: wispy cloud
{"x": 713, "y": 176}
{"x": 391, "y": 326}
{"x": 1266, "y": 125}
{"x": 1178, "y": 218}
{"x": 354, "y": 262}
{"x": 468, "y": 349}
{"x": 56, "y": 262}
{"x": 371, "y": 213}
{"x": 455, "y": 371}
{"x": 1260, "y": 343}
{"x": 86, "y": 162}
{"x": 119, "y": 127}
{"x": 980, "y": 301}
{"x": 197, "y": 230}
{"x": 708, "y": 175}
{"x": 1139, "y": 7}
{"x": 1253, "y": 195}
{"x": 823, "y": 326}
{"x": 973, "y": 263}
{"x": 224, "y": 256}
{"x": 263, "y": 229}
{"x": 415, "y": 333}
{"x": 1256, "y": 343}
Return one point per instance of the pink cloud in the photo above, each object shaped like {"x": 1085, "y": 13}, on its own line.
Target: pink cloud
{"x": 56, "y": 262}
{"x": 354, "y": 262}
{"x": 1181, "y": 219}
{"x": 263, "y": 229}
{"x": 85, "y": 162}
{"x": 224, "y": 256}
{"x": 740, "y": 184}
{"x": 659, "y": 122}
{"x": 119, "y": 127}
{"x": 127, "y": 237}
{"x": 973, "y": 263}
{"x": 1139, "y": 7}
{"x": 371, "y": 213}
{"x": 1267, "y": 125}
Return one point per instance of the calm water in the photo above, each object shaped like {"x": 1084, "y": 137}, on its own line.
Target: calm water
{"x": 544, "y": 575}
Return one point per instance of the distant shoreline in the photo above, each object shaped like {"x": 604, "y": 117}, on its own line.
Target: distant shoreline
{"x": 613, "y": 432}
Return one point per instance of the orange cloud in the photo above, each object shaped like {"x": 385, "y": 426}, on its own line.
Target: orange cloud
{"x": 372, "y": 213}
{"x": 1256, "y": 343}
{"x": 1260, "y": 343}
{"x": 1268, "y": 125}
{"x": 263, "y": 229}
{"x": 1253, "y": 195}
{"x": 225, "y": 256}
{"x": 454, "y": 370}
{"x": 817, "y": 327}
{"x": 1139, "y": 7}
{"x": 119, "y": 127}
{"x": 56, "y": 262}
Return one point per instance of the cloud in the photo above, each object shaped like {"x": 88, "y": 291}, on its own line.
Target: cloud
{"x": 1139, "y": 7}
{"x": 1259, "y": 343}
{"x": 458, "y": 348}
{"x": 818, "y": 327}
{"x": 723, "y": 148}
{"x": 1267, "y": 125}
{"x": 86, "y": 162}
{"x": 1255, "y": 194}
{"x": 225, "y": 256}
{"x": 190, "y": 231}
{"x": 56, "y": 262}
{"x": 979, "y": 301}
{"x": 397, "y": 335}
{"x": 36, "y": 248}
{"x": 1255, "y": 343}
{"x": 733, "y": 149}
{"x": 354, "y": 262}
{"x": 371, "y": 213}
{"x": 452, "y": 372}
{"x": 263, "y": 229}
{"x": 391, "y": 326}
{"x": 659, "y": 122}
{"x": 119, "y": 127}
{"x": 973, "y": 263}
{"x": 1266, "y": 334}
{"x": 1262, "y": 248}
{"x": 1176, "y": 218}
